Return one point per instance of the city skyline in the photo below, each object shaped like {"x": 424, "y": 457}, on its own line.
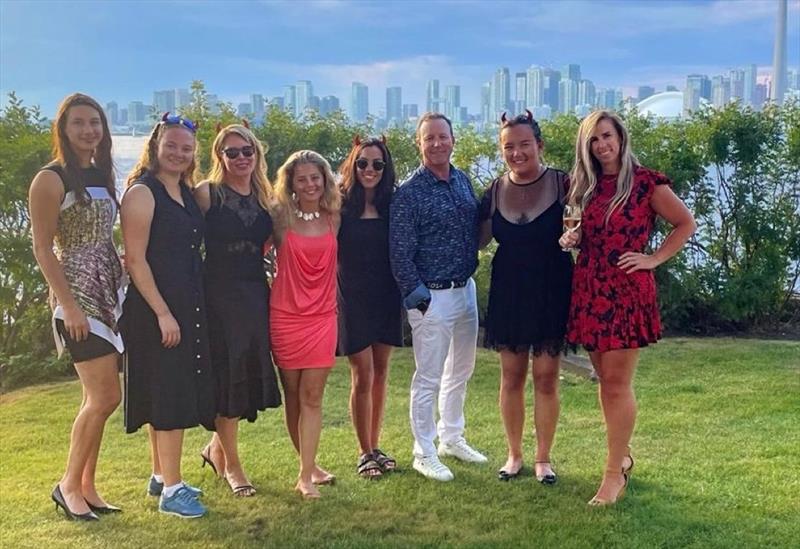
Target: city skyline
{"x": 661, "y": 44}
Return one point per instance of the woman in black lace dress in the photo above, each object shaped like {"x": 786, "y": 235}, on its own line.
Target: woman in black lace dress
{"x": 530, "y": 288}
{"x": 370, "y": 323}
{"x": 238, "y": 230}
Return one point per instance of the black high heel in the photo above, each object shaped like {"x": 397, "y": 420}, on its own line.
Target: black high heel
{"x": 59, "y": 500}
{"x": 108, "y": 509}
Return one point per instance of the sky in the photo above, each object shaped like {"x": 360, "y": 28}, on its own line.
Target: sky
{"x": 124, "y": 50}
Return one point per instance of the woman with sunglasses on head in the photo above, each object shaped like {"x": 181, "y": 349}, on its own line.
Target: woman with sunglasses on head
{"x": 530, "y": 286}
{"x": 614, "y": 310}
{"x": 73, "y": 205}
{"x": 303, "y": 302}
{"x": 235, "y": 199}
{"x": 169, "y": 382}
{"x": 370, "y": 322}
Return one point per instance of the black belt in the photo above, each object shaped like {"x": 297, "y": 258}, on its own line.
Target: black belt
{"x": 446, "y": 284}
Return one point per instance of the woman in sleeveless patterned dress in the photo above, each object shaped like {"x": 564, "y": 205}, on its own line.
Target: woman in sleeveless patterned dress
{"x": 73, "y": 206}
{"x": 303, "y": 302}
{"x": 614, "y": 311}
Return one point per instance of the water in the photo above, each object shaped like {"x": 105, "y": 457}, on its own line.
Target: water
{"x": 126, "y": 151}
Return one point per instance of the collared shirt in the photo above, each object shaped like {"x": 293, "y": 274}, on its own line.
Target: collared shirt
{"x": 433, "y": 232}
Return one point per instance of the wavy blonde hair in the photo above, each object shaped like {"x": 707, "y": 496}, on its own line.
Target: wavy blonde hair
{"x": 284, "y": 206}
{"x": 259, "y": 183}
{"x": 586, "y": 170}
{"x": 148, "y": 162}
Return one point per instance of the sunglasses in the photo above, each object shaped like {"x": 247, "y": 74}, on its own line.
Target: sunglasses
{"x": 377, "y": 165}
{"x": 178, "y": 120}
{"x": 233, "y": 152}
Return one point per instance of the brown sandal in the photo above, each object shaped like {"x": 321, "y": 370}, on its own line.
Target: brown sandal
{"x": 368, "y": 467}
{"x": 386, "y": 462}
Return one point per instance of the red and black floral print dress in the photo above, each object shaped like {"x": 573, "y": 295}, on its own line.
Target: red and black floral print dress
{"x": 610, "y": 309}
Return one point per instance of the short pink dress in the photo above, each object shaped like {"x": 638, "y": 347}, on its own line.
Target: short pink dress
{"x": 303, "y": 326}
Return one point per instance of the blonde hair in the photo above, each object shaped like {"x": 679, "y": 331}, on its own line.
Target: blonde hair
{"x": 148, "y": 162}
{"x": 583, "y": 178}
{"x": 259, "y": 183}
{"x": 284, "y": 206}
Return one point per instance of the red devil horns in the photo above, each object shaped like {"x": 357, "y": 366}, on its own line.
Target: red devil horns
{"x": 165, "y": 116}
{"x": 503, "y": 118}
{"x": 219, "y": 127}
{"x": 356, "y": 140}
{"x": 383, "y": 139}
{"x": 246, "y": 123}
{"x": 530, "y": 115}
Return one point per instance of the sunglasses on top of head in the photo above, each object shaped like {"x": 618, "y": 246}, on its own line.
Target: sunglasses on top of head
{"x": 377, "y": 165}
{"x": 172, "y": 120}
{"x": 233, "y": 152}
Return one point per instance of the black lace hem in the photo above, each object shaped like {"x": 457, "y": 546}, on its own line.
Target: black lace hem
{"x": 553, "y": 348}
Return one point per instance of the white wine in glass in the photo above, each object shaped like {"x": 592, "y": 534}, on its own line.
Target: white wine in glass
{"x": 572, "y": 220}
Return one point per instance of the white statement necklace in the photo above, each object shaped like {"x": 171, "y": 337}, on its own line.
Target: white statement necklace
{"x": 310, "y": 216}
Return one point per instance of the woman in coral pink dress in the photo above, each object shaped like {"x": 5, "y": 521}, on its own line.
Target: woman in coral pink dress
{"x": 613, "y": 311}
{"x": 303, "y": 324}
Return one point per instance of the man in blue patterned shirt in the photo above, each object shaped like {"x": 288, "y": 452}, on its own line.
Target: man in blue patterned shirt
{"x": 433, "y": 243}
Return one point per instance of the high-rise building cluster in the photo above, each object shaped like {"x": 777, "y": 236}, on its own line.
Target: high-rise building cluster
{"x": 740, "y": 84}
{"x": 544, "y": 91}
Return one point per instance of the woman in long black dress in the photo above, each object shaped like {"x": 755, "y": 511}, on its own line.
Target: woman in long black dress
{"x": 168, "y": 379}
{"x": 238, "y": 229}
{"x": 370, "y": 322}
{"x": 73, "y": 205}
{"x": 530, "y": 288}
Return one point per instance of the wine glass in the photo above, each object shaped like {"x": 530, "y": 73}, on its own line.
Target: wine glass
{"x": 572, "y": 220}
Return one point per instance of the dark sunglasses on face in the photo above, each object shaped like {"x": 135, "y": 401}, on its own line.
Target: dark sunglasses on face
{"x": 233, "y": 152}
{"x": 178, "y": 120}
{"x": 377, "y": 165}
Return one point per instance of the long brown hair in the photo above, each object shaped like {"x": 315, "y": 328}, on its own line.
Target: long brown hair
{"x": 259, "y": 183}
{"x": 353, "y": 196}
{"x": 148, "y": 162}
{"x": 64, "y": 156}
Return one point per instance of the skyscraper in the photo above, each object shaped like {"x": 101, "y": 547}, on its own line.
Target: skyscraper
{"x": 486, "y": 102}
{"x": 644, "y": 92}
{"x": 736, "y": 79}
{"x": 304, "y": 92}
{"x": 571, "y": 72}
{"x": 520, "y": 92}
{"x": 328, "y": 105}
{"x": 112, "y": 112}
{"x": 182, "y": 98}
{"x": 567, "y": 95}
{"x": 534, "y": 96}
{"x": 257, "y": 102}
{"x": 586, "y": 94}
{"x": 289, "y": 98}
{"x": 394, "y": 104}
{"x": 136, "y": 112}
{"x": 410, "y": 110}
{"x": 698, "y": 86}
{"x": 452, "y": 103}
{"x": 359, "y": 102}
{"x": 552, "y": 78}
{"x": 720, "y": 91}
{"x": 432, "y": 96}
{"x": 749, "y": 84}
{"x": 164, "y": 101}
{"x": 502, "y": 92}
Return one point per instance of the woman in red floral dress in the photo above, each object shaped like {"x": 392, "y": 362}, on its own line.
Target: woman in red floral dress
{"x": 613, "y": 311}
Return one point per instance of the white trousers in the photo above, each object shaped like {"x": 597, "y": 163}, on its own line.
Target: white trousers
{"x": 444, "y": 340}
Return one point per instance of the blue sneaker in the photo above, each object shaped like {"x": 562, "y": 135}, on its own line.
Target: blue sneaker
{"x": 183, "y": 503}
{"x": 154, "y": 488}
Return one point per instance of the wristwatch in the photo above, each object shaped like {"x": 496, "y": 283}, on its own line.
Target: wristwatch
{"x": 423, "y": 305}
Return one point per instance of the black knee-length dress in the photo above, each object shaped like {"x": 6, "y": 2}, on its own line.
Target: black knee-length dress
{"x": 169, "y": 388}
{"x": 237, "y": 295}
{"x": 531, "y": 276}
{"x": 369, "y": 300}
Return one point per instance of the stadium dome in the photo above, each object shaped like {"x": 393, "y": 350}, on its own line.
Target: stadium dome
{"x": 662, "y": 105}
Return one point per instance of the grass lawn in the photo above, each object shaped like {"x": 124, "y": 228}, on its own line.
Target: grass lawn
{"x": 717, "y": 465}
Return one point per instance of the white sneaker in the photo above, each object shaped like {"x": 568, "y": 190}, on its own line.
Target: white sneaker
{"x": 431, "y": 467}
{"x": 461, "y": 450}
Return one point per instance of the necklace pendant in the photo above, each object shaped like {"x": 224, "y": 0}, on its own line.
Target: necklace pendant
{"x": 310, "y": 216}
